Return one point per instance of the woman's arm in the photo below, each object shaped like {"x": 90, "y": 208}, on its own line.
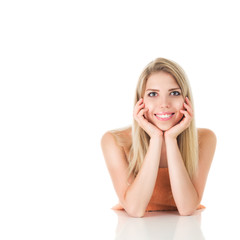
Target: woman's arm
{"x": 134, "y": 197}
{"x": 188, "y": 193}
{"x": 184, "y": 193}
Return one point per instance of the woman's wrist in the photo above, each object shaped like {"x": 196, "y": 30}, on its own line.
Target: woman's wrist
{"x": 169, "y": 136}
{"x": 157, "y": 137}
{"x": 169, "y": 139}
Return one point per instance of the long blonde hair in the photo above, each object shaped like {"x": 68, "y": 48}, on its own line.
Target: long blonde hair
{"x": 187, "y": 140}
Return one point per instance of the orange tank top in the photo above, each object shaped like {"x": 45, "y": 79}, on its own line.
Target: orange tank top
{"x": 162, "y": 198}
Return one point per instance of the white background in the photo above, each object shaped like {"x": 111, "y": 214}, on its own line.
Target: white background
{"x": 68, "y": 72}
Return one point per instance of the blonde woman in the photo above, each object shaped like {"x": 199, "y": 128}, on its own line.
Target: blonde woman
{"x": 162, "y": 161}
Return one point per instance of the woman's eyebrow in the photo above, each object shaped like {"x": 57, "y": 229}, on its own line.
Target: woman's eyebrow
{"x": 150, "y": 89}
{"x": 173, "y": 89}
{"x": 157, "y": 90}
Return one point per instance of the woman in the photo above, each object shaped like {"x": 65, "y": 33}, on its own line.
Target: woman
{"x": 162, "y": 161}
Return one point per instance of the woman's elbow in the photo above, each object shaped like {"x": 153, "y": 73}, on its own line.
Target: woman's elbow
{"x": 188, "y": 212}
{"x": 134, "y": 212}
{"x": 185, "y": 213}
{"x": 133, "y": 209}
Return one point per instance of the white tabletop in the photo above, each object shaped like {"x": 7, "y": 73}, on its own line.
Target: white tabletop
{"x": 81, "y": 223}
{"x": 203, "y": 224}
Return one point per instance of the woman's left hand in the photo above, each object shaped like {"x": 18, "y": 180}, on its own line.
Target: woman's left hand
{"x": 183, "y": 124}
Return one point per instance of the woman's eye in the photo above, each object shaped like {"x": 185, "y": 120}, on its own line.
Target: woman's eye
{"x": 152, "y": 94}
{"x": 175, "y": 93}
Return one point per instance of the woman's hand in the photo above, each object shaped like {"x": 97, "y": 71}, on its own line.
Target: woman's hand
{"x": 183, "y": 124}
{"x": 139, "y": 116}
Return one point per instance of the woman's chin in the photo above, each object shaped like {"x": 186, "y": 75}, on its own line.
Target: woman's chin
{"x": 164, "y": 128}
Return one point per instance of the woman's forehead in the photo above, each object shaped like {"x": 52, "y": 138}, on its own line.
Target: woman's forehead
{"x": 161, "y": 80}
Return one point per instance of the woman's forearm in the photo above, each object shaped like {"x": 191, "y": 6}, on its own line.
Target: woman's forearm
{"x": 140, "y": 191}
{"x": 184, "y": 192}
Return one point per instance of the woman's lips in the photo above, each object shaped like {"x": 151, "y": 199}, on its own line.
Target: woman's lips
{"x": 164, "y": 116}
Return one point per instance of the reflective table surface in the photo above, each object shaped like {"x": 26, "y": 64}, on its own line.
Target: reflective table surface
{"x": 203, "y": 224}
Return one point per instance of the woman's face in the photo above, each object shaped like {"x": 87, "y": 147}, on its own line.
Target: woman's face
{"x": 163, "y": 98}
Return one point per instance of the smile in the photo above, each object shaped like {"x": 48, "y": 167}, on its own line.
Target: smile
{"x": 164, "y": 117}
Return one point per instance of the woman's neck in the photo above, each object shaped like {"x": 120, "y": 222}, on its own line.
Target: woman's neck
{"x": 163, "y": 158}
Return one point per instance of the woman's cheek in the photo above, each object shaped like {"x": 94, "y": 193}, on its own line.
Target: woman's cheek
{"x": 180, "y": 115}
{"x": 180, "y": 105}
{"x": 178, "y": 108}
{"x": 148, "y": 105}
{"x": 146, "y": 113}
{"x": 149, "y": 112}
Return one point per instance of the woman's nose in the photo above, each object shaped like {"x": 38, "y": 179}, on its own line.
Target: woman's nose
{"x": 164, "y": 102}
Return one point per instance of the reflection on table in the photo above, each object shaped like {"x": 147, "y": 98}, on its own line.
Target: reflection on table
{"x": 159, "y": 225}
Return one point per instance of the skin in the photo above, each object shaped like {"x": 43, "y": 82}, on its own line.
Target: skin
{"x": 163, "y": 100}
{"x": 163, "y": 151}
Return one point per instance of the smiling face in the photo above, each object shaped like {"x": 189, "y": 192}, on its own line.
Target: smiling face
{"x": 163, "y": 98}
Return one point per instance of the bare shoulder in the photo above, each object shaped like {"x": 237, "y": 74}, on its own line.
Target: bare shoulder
{"x": 112, "y": 143}
{"x": 108, "y": 142}
{"x": 206, "y": 136}
{"x": 116, "y": 162}
{"x": 123, "y": 136}
{"x": 207, "y": 145}
{"x": 107, "y": 138}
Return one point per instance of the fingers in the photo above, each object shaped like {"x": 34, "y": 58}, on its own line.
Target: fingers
{"x": 140, "y": 112}
{"x": 188, "y": 112}
{"x": 138, "y": 107}
{"x": 188, "y": 106}
{"x": 188, "y": 102}
{"x": 140, "y": 115}
{"x": 185, "y": 113}
{"x": 187, "y": 118}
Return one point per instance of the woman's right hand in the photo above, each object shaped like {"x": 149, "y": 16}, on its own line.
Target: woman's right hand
{"x": 149, "y": 128}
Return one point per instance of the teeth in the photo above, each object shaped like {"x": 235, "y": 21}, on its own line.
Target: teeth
{"x": 164, "y": 116}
